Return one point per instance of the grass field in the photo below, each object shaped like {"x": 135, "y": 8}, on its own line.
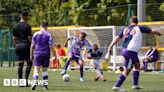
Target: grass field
{"x": 152, "y": 82}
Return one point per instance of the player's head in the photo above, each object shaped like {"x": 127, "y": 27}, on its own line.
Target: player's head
{"x": 44, "y": 24}
{"x": 24, "y": 16}
{"x": 95, "y": 47}
{"x": 82, "y": 35}
{"x": 151, "y": 46}
{"x": 134, "y": 20}
{"x": 58, "y": 46}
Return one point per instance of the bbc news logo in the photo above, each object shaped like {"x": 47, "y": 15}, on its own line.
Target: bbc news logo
{"x": 23, "y": 82}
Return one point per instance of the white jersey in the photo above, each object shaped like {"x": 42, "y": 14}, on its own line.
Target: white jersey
{"x": 136, "y": 41}
{"x": 133, "y": 37}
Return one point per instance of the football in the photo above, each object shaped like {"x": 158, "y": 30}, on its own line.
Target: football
{"x": 66, "y": 77}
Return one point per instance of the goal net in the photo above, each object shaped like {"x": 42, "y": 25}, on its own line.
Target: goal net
{"x": 102, "y": 36}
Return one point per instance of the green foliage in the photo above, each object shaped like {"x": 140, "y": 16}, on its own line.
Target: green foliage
{"x": 72, "y": 12}
{"x": 162, "y": 7}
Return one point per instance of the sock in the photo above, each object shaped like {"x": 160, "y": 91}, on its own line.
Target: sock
{"x": 20, "y": 70}
{"x": 66, "y": 65}
{"x": 145, "y": 64}
{"x": 120, "y": 80}
{"x": 45, "y": 77}
{"x": 81, "y": 71}
{"x": 99, "y": 73}
{"x": 28, "y": 69}
{"x": 35, "y": 75}
{"x": 135, "y": 77}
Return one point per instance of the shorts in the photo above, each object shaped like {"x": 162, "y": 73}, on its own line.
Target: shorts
{"x": 97, "y": 62}
{"x": 75, "y": 56}
{"x": 22, "y": 51}
{"x": 131, "y": 58}
{"x": 42, "y": 59}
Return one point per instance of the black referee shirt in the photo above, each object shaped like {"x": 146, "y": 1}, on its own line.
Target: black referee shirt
{"x": 21, "y": 31}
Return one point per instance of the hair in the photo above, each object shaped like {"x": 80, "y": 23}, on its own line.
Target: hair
{"x": 58, "y": 46}
{"x": 24, "y": 13}
{"x": 134, "y": 19}
{"x": 84, "y": 34}
{"x": 95, "y": 45}
{"x": 44, "y": 23}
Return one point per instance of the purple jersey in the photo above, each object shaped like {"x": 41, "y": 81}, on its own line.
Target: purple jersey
{"x": 77, "y": 45}
{"x": 153, "y": 53}
{"x": 42, "y": 41}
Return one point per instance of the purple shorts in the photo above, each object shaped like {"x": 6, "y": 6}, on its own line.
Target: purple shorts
{"x": 75, "y": 56}
{"x": 42, "y": 59}
{"x": 131, "y": 58}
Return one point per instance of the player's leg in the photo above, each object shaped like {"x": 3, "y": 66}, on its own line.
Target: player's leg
{"x": 20, "y": 69}
{"x": 124, "y": 74}
{"x": 136, "y": 71}
{"x": 97, "y": 70}
{"x": 29, "y": 62}
{"x": 121, "y": 78}
{"x": 101, "y": 69}
{"x": 45, "y": 78}
{"x": 146, "y": 61}
{"x": 20, "y": 58}
{"x": 35, "y": 76}
{"x": 80, "y": 62}
{"x": 136, "y": 76}
{"x": 45, "y": 65}
{"x": 70, "y": 58}
{"x": 81, "y": 70}
{"x": 37, "y": 66}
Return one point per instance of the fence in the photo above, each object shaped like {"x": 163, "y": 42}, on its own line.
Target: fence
{"x": 7, "y": 51}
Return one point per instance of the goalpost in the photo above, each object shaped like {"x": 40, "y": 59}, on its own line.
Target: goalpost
{"x": 101, "y": 35}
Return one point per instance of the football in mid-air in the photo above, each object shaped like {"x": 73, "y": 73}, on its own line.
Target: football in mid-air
{"x": 66, "y": 77}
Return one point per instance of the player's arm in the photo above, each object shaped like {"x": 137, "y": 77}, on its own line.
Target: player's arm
{"x": 66, "y": 42}
{"x": 51, "y": 45}
{"x": 14, "y": 36}
{"x": 29, "y": 34}
{"x": 14, "y": 40}
{"x": 32, "y": 51}
{"x": 155, "y": 32}
{"x": 32, "y": 48}
{"x": 148, "y": 30}
{"x": 53, "y": 52}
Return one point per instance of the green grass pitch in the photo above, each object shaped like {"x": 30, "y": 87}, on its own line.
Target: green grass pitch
{"x": 152, "y": 82}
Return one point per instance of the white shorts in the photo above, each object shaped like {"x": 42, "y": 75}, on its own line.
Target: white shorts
{"x": 98, "y": 62}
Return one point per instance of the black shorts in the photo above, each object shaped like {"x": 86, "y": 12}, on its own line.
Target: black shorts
{"x": 23, "y": 51}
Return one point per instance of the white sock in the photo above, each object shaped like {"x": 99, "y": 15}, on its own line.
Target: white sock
{"x": 99, "y": 73}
